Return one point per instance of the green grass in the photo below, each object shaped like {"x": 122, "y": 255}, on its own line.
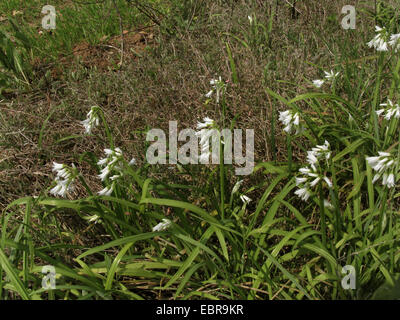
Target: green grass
{"x": 217, "y": 247}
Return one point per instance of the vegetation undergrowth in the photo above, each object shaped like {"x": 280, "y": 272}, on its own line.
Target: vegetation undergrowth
{"x": 206, "y": 233}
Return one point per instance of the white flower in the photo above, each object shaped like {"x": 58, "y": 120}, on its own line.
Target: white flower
{"x": 105, "y": 192}
{"x": 205, "y": 133}
{"x": 62, "y": 170}
{"x": 328, "y": 182}
{"x": 245, "y": 199}
{"x": 379, "y": 41}
{"x": 303, "y": 193}
{"x": 207, "y": 123}
{"x": 57, "y": 166}
{"x": 331, "y": 75}
{"x": 162, "y": 225}
{"x": 390, "y": 109}
{"x": 92, "y": 120}
{"x": 395, "y": 41}
{"x": 313, "y": 173}
{"x": 217, "y": 85}
{"x": 311, "y": 158}
{"x": 237, "y": 186}
{"x": 104, "y": 173}
{"x": 250, "y": 19}
{"x": 318, "y": 83}
{"x": 390, "y": 180}
{"x": 315, "y": 181}
{"x": 62, "y": 187}
{"x": 112, "y": 163}
{"x": 290, "y": 119}
{"x": 64, "y": 179}
{"x": 300, "y": 180}
{"x": 384, "y": 164}
{"x": 320, "y": 151}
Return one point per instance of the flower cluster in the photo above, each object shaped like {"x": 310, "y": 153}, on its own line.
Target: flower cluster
{"x": 389, "y": 110}
{"x": 313, "y": 173}
{"x": 395, "y": 41}
{"x": 112, "y": 169}
{"x": 384, "y": 164}
{"x": 329, "y": 76}
{"x": 92, "y": 119}
{"x": 291, "y": 120}
{"x": 205, "y": 134}
{"x": 217, "y": 85}
{"x": 379, "y": 42}
{"x": 382, "y": 40}
{"x": 64, "y": 179}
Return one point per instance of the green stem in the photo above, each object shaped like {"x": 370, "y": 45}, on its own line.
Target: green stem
{"x": 323, "y": 219}
{"x": 108, "y": 132}
{"x": 374, "y": 117}
{"x": 290, "y": 156}
{"x": 222, "y": 178}
{"x": 382, "y": 213}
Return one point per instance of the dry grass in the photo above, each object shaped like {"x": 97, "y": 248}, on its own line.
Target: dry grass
{"x": 168, "y": 83}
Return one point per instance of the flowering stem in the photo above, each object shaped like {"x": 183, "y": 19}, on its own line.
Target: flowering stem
{"x": 395, "y": 75}
{"x": 335, "y": 201}
{"x": 322, "y": 210}
{"x": 108, "y": 133}
{"x": 374, "y": 117}
{"x": 289, "y": 146}
{"x": 222, "y": 178}
{"x": 221, "y": 157}
{"x": 382, "y": 213}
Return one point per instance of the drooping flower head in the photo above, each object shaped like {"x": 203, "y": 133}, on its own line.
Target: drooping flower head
{"x": 112, "y": 169}
{"x": 395, "y": 41}
{"x": 314, "y": 173}
{"x": 92, "y": 120}
{"x": 218, "y": 86}
{"x": 64, "y": 179}
{"x": 291, "y": 120}
{"x": 205, "y": 133}
{"x": 331, "y": 75}
{"x": 319, "y": 152}
{"x": 389, "y": 110}
{"x": 384, "y": 164}
{"x": 379, "y": 42}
